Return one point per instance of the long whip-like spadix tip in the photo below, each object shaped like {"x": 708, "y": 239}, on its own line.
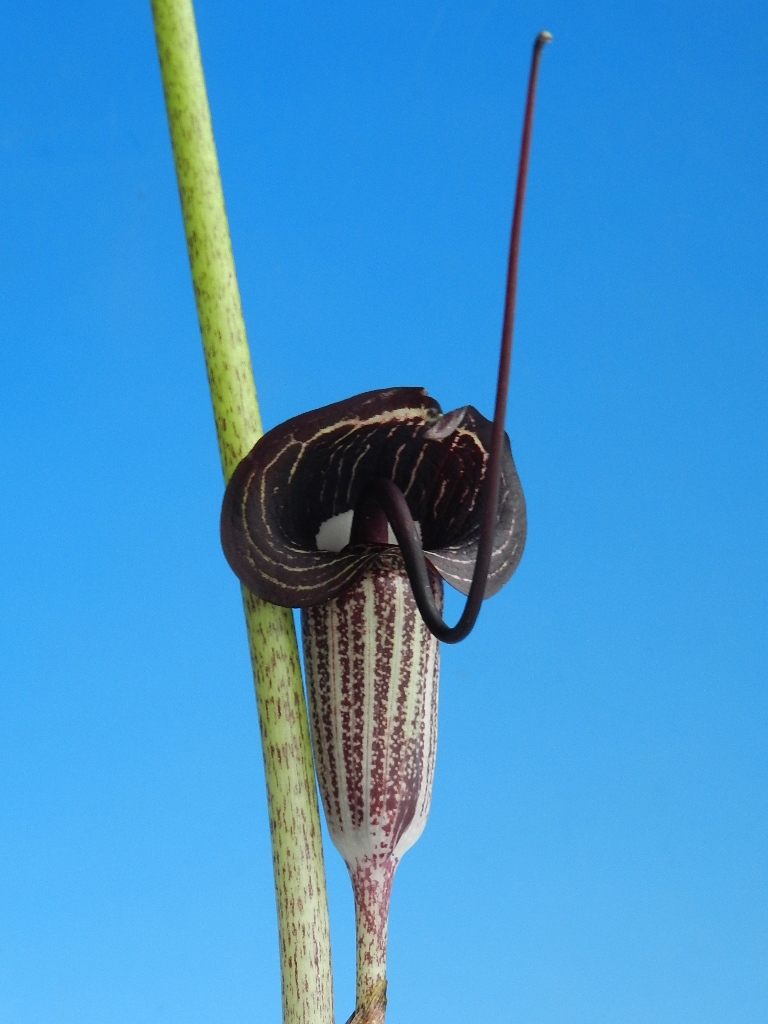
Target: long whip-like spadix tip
{"x": 399, "y": 517}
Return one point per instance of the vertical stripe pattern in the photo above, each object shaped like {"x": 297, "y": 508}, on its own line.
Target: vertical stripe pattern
{"x": 372, "y": 670}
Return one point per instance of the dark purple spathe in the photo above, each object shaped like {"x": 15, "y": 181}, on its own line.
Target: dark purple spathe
{"x": 314, "y": 467}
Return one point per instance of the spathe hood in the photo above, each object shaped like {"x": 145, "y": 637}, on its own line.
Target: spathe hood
{"x": 314, "y": 466}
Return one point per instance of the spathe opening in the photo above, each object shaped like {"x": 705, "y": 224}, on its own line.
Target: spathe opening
{"x": 335, "y": 532}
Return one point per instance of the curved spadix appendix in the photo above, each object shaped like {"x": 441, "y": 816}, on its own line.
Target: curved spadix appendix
{"x": 447, "y": 487}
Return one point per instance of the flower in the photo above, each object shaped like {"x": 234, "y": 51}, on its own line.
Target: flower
{"x": 372, "y": 664}
{"x": 371, "y": 609}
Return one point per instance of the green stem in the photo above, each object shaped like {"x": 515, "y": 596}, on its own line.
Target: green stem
{"x": 302, "y": 905}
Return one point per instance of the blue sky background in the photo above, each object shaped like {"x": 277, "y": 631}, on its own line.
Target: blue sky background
{"x": 598, "y": 845}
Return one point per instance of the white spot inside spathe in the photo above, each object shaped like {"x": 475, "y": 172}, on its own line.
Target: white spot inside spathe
{"x": 335, "y": 532}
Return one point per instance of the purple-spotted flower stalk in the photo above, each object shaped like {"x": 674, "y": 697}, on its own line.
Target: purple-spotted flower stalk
{"x": 356, "y": 513}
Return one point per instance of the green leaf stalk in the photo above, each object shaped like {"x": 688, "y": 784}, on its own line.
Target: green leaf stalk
{"x": 291, "y": 792}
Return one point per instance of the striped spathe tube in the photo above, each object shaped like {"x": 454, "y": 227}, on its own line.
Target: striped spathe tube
{"x": 372, "y": 669}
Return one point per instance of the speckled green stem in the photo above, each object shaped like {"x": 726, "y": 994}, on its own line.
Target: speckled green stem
{"x": 293, "y": 810}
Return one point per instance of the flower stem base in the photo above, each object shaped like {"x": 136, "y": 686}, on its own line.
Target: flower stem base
{"x": 372, "y": 880}
{"x": 373, "y": 1008}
